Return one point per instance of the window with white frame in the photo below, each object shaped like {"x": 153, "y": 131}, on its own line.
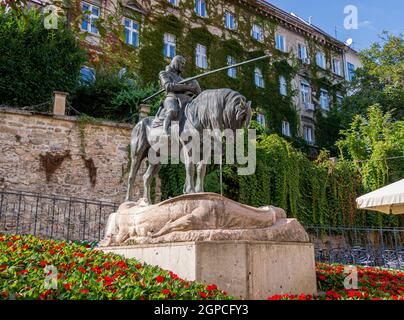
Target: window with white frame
{"x": 308, "y": 134}
{"x": 173, "y": 2}
{"x": 258, "y": 78}
{"x": 320, "y": 59}
{"x": 302, "y": 52}
{"x": 261, "y": 119}
{"x": 200, "y": 8}
{"x": 286, "y": 128}
{"x": 90, "y": 15}
{"x": 232, "y": 72}
{"x": 340, "y": 98}
{"x": 169, "y": 45}
{"x": 336, "y": 66}
{"x": 229, "y": 21}
{"x": 131, "y": 32}
{"x": 305, "y": 92}
{"x": 283, "y": 86}
{"x": 257, "y": 32}
{"x": 351, "y": 71}
{"x": 201, "y": 58}
{"x": 324, "y": 100}
{"x": 280, "y": 42}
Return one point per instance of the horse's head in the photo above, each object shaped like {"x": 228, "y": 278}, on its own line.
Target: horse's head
{"x": 243, "y": 112}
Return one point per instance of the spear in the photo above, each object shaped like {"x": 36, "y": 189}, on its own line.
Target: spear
{"x": 209, "y": 73}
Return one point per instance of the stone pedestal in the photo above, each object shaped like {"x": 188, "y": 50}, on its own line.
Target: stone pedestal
{"x": 244, "y": 269}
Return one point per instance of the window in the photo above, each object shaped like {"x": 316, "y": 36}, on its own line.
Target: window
{"x": 351, "y": 71}
{"x": 229, "y": 20}
{"x": 87, "y": 74}
{"x": 286, "y": 128}
{"x": 261, "y": 119}
{"x": 320, "y": 59}
{"x": 308, "y": 134}
{"x": 169, "y": 45}
{"x": 336, "y": 66}
{"x": 340, "y": 98}
{"x": 324, "y": 100}
{"x": 283, "y": 86}
{"x": 173, "y": 2}
{"x": 302, "y": 52}
{"x": 200, "y": 8}
{"x": 201, "y": 58}
{"x": 305, "y": 92}
{"x": 90, "y": 13}
{"x": 280, "y": 42}
{"x": 256, "y": 32}
{"x": 232, "y": 72}
{"x": 131, "y": 32}
{"x": 258, "y": 78}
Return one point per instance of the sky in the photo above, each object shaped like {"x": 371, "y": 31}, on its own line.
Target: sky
{"x": 374, "y": 16}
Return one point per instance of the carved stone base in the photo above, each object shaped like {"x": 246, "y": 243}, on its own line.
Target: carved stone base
{"x": 245, "y": 269}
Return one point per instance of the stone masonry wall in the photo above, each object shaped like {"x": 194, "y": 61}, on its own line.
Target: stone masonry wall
{"x": 32, "y": 145}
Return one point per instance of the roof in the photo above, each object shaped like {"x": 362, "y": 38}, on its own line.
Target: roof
{"x": 296, "y": 23}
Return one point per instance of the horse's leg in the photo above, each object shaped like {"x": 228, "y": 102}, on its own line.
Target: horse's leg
{"x": 200, "y": 176}
{"x": 151, "y": 171}
{"x": 189, "y": 172}
{"x": 139, "y": 148}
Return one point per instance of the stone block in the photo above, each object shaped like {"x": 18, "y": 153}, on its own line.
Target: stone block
{"x": 244, "y": 269}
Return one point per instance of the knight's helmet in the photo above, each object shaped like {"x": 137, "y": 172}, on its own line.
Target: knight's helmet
{"x": 175, "y": 63}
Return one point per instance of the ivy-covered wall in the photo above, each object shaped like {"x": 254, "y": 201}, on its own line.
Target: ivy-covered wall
{"x": 316, "y": 193}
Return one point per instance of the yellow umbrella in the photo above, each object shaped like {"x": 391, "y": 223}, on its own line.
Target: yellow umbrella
{"x": 389, "y": 199}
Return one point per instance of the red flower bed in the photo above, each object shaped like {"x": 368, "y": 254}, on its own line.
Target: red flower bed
{"x": 27, "y": 266}
{"x": 373, "y": 284}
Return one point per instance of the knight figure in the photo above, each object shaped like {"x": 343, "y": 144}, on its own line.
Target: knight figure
{"x": 177, "y": 95}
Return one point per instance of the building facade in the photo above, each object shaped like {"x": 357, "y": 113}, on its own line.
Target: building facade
{"x": 306, "y": 75}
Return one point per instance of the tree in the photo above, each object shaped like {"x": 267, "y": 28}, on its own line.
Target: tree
{"x": 35, "y": 61}
{"x": 380, "y": 80}
{"x": 376, "y": 145}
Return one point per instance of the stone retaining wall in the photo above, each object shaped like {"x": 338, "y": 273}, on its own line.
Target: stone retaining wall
{"x": 56, "y": 155}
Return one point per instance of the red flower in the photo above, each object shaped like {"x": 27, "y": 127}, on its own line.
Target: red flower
{"x": 160, "y": 279}
{"x": 106, "y": 265}
{"x": 3, "y": 267}
{"x": 321, "y": 277}
{"x": 173, "y": 276}
{"x": 82, "y": 270}
{"x": 67, "y": 286}
{"x": 43, "y": 263}
{"x": 138, "y": 266}
{"x": 52, "y": 252}
{"x": 202, "y": 294}
{"x": 212, "y": 287}
{"x": 166, "y": 292}
{"x": 22, "y": 271}
{"x": 85, "y": 291}
{"x": 108, "y": 280}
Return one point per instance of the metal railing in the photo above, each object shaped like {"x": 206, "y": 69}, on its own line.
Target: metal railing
{"x": 382, "y": 247}
{"x": 54, "y": 217}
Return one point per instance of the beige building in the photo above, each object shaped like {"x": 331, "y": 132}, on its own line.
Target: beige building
{"x": 324, "y": 63}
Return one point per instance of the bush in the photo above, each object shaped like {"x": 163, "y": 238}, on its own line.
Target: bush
{"x": 35, "y": 61}
{"x": 85, "y": 273}
{"x": 110, "y": 96}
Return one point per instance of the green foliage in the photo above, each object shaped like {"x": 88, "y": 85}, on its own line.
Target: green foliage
{"x": 35, "y": 61}
{"x": 110, "y": 97}
{"x": 85, "y": 273}
{"x": 320, "y": 192}
{"x": 381, "y": 79}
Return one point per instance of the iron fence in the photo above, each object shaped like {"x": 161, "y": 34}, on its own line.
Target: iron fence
{"x": 54, "y": 217}
{"x": 381, "y": 247}
{"x": 67, "y": 218}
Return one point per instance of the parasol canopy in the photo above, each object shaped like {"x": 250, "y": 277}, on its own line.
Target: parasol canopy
{"x": 389, "y": 199}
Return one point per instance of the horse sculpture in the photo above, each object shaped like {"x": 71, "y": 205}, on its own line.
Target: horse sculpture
{"x": 216, "y": 109}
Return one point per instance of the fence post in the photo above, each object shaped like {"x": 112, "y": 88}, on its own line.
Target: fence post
{"x": 18, "y": 213}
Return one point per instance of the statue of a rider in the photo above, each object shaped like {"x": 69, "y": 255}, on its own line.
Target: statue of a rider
{"x": 177, "y": 95}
